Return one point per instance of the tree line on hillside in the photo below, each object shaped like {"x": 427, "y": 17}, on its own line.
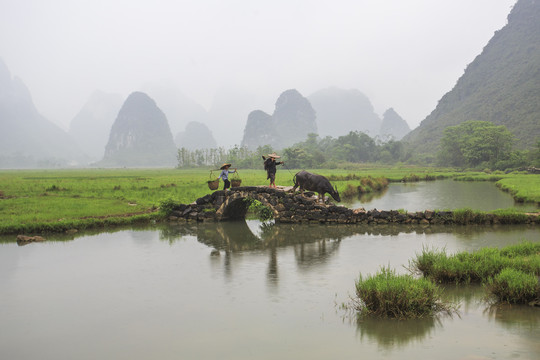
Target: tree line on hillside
{"x": 472, "y": 145}
{"x": 480, "y": 144}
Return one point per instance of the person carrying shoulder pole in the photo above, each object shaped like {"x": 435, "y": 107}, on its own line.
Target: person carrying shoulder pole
{"x": 225, "y": 175}
{"x": 270, "y": 167}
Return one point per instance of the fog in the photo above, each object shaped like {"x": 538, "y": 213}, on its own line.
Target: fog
{"x": 404, "y": 54}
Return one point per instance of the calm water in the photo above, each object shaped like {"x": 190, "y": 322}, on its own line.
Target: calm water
{"x": 243, "y": 291}
{"x": 442, "y": 195}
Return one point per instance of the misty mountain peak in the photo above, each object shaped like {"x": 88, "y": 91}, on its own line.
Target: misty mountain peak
{"x": 92, "y": 124}
{"x": 292, "y": 120}
{"x": 140, "y": 135}
{"x": 340, "y": 111}
{"x": 196, "y": 136}
{"x": 13, "y": 90}
{"x": 27, "y": 139}
{"x": 393, "y": 126}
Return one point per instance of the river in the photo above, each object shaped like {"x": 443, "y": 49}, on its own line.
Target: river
{"x": 441, "y": 195}
{"x": 243, "y": 290}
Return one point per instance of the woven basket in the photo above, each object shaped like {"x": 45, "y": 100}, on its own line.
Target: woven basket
{"x": 213, "y": 184}
{"x": 236, "y": 181}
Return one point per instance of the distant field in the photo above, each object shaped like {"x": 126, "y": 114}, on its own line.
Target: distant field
{"x": 46, "y": 199}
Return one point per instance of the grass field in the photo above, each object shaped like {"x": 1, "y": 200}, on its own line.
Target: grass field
{"x": 51, "y": 200}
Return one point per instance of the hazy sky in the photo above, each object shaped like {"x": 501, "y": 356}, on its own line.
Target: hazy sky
{"x": 404, "y": 54}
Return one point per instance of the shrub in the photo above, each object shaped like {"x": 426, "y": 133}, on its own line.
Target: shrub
{"x": 411, "y": 178}
{"x": 168, "y": 206}
{"x": 55, "y": 188}
{"x": 262, "y": 212}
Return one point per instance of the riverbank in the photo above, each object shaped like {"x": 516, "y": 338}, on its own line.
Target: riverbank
{"x": 35, "y": 201}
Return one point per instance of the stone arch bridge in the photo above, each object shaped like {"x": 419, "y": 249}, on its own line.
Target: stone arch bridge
{"x": 288, "y": 207}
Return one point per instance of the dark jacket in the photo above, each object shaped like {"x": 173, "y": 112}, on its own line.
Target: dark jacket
{"x": 270, "y": 166}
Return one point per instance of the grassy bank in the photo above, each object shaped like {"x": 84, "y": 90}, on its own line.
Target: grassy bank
{"x": 361, "y": 185}
{"x": 523, "y": 187}
{"x": 52, "y": 200}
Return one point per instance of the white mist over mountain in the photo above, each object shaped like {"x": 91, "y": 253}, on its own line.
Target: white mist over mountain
{"x": 403, "y": 54}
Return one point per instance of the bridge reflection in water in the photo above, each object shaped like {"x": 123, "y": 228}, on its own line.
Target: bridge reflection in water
{"x": 314, "y": 244}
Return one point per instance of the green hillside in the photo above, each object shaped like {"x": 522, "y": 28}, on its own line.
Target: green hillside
{"x": 501, "y": 85}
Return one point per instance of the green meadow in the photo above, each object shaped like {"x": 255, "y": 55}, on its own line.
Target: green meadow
{"x": 57, "y": 200}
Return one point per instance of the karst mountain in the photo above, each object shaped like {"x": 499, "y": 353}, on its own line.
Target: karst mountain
{"x": 140, "y": 136}
{"x": 501, "y": 85}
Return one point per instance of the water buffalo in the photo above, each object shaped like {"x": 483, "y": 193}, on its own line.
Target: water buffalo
{"x": 314, "y": 182}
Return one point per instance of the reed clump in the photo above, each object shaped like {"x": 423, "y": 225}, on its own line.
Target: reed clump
{"x": 387, "y": 294}
{"x": 486, "y": 266}
{"x": 514, "y": 286}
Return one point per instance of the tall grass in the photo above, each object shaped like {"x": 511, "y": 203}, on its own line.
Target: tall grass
{"x": 363, "y": 185}
{"x": 514, "y": 286}
{"x": 477, "y": 266}
{"x": 503, "y": 216}
{"x": 517, "y": 264}
{"x": 387, "y": 294}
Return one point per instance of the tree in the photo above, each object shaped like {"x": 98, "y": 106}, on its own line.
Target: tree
{"x": 475, "y": 143}
{"x": 355, "y": 147}
{"x": 535, "y": 155}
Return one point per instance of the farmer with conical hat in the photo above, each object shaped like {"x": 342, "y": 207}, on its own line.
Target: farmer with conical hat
{"x": 270, "y": 167}
{"x": 225, "y": 175}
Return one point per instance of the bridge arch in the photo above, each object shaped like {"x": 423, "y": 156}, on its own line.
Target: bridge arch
{"x": 236, "y": 204}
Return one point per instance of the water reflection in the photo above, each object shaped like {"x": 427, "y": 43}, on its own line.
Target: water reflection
{"x": 72, "y": 235}
{"x": 312, "y": 245}
{"x": 468, "y": 297}
{"x": 272, "y": 290}
{"x": 391, "y": 334}
{"x": 367, "y": 197}
{"x": 237, "y": 236}
{"x": 514, "y": 316}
